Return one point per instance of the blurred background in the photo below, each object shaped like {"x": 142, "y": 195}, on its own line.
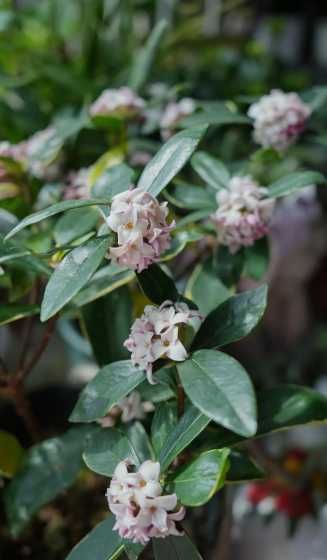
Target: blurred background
{"x": 58, "y": 55}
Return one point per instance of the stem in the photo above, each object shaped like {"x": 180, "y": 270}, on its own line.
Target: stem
{"x": 39, "y": 350}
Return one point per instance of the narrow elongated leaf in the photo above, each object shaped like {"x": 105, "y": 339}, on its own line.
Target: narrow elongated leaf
{"x": 164, "y": 421}
{"x": 188, "y": 428}
{"x": 102, "y": 543}
{"x": 145, "y": 58}
{"x": 221, "y": 389}
{"x": 107, "y": 322}
{"x": 293, "y": 182}
{"x": 211, "y": 170}
{"x": 196, "y": 482}
{"x": 74, "y": 224}
{"x": 175, "y": 548}
{"x": 243, "y": 468}
{"x": 107, "y": 448}
{"x": 140, "y": 441}
{"x": 205, "y": 288}
{"x": 53, "y": 210}
{"x": 169, "y": 160}
{"x": 107, "y": 388}
{"x": 105, "y": 280}
{"x": 13, "y": 312}
{"x": 48, "y": 469}
{"x": 74, "y": 271}
{"x": 214, "y": 118}
{"x": 191, "y": 197}
{"x": 233, "y": 319}
{"x": 113, "y": 181}
{"x": 157, "y": 285}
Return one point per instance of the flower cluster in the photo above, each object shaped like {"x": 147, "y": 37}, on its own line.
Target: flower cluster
{"x": 135, "y": 498}
{"x": 77, "y": 185}
{"x": 243, "y": 213}
{"x": 279, "y": 118}
{"x": 174, "y": 113}
{"x": 120, "y": 103}
{"x": 129, "y": 408}
{"x": 156, "y": 334}
{"x": 142, "y": 231}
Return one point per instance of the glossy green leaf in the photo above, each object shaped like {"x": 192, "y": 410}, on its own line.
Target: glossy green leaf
{"x": 49, "y": 468}
{"x": 140, "y": 441}
{"x": 102, "y": 543}
{"x": 133, "y": 550}
{"x": 228, "y": 267}
{"x": 163, "y": 390}
{"x": 107, "y": 322}
{"x": 107, "y": 388}
{"x": 191, "y": 197}
{"x": 13, "y": 312}
{"x": 295, "y": 181}
{"x": 145, "y": 58}
{"x": 157, "y": 285}
{"x": 221, "y": 389}
{"x": 233, "y": 319}
{"x": 243, "y": 468}
{"x": 196, "y": 482}
{"x": 211, "y": 170}
{"x": 175, "y": 548}
{"x": 163, "y": 423}
{"x": 214, "y": 118}
{"x": 74, "y": 224}
{"x": 53, "y": 210}
{"x": 169, "y": 160}
{"x": 105, "y": 280}
{"x": 113, "y": 181}
{"x": 107, "y": 448}
{"x": 205, "y": 288}
{"x": 11, "y": 454}
{"x": 188, "y": 428}
{"x": 73, "y": 272}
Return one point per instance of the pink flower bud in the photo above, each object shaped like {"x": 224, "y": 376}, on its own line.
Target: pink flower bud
{"x": 120, "y": 103}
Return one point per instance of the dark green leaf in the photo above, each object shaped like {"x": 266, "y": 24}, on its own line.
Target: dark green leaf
{"x": 233, "y": 319}
{"x": 215, "y": 118}
{"x": 107, "y": 388}
{"x": 228, "y": 267}
{"x": 196, "y": 482}
{"x": 293, "y": 182}
{"x": 191, "y": 197}
{"x": 205, "y": 288}
{"x": 13, "y": 312}
{"x": 113, "y": 181}
{"x": 163, "y": 423}
{"x": 75, "y": 224}
{"x": 107, "y": 448}
{"x": 221, "y": 389}
{"x": 175, "y": 548}
{"x": 102, "y": 543}
{"x": 157, "y": 285}
{"x": 257, "y": 258}
{"x": 242, "y": 468}
{"x": 105, "y": 280}
{"x": 140, "y": 441}
{"x": 211, "y": 170}
{"x": 188, "y": 428}
{"x": 169, "y": 160}
{"x": 73, "y": 272}
{"x": 145, "y": 58}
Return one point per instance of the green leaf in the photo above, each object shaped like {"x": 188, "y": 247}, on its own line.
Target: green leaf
{"x": 228, "y": 267}
{"x": 175, "y": 548}
{"x": 49, "y": 468}
{"x": 216, "y": 118}
{"x": 164, "y": 421}
{"x": 169, "y": 160}
{"x": 52, "y": 211}
{"x": 257, "y": 258}
{"x": 107, "y": 448}
{"x": 11, "y": 454}
{"x": 233, "y": 319}
{"x": 205, "y": 288}
{"x": 107, "y": 388}
{"x": 293, "y": 182}
{"x": 163, "y": 390}
{"x": 133, "y": 550}
{"x": 13, "y": 312}
{"x": 140, "y": 441}
{"x": 73, "y": 272}
{"x": 102, "y": 543}
{"x": 188, "y": 428}
{"x": 242, "y": 468}
{"x": 196, "y": 482}
{"x": 280, "y": 408}
{"x": 75, "y": 224}
{"x": 145, "y": 58}
{"x": 105, "y": 280}
{"x": 221, "y": 389}
{"x": 211, "y": 170}
{"x": 157, "y": 285}
{"x": 107, "y": 322}
{"x": 113, "y": 181}
{"x": 191, "y": 197}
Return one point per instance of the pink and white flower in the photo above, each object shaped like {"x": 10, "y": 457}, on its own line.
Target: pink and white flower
{"x": 121, "y": 103}
{"x": 77, "y": 186}
{"x": 279, "y": 119}
{"x": 174, "y": 113}
{"x": 129, "y": 408}
{"x": 142, "y": 512}
{"x": 243, "y": 214}
{"x": 156, "y": 334}
{"x": 142, "y": 231}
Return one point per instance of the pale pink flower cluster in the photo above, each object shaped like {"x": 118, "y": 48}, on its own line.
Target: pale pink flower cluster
{"x": 174, "y": 113}
{"x": 135, "y": 498}
{"x": 129, "y": 408}
{"x": 279, "y": 118}
{"x": 243, "y": 214}
{"x": 121, "y": 102}
{"x": 142, "y": 231}
{"x": 156, "y": 334}
{"x": 13, "y": 151}
{"x": 77, "y": 186}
